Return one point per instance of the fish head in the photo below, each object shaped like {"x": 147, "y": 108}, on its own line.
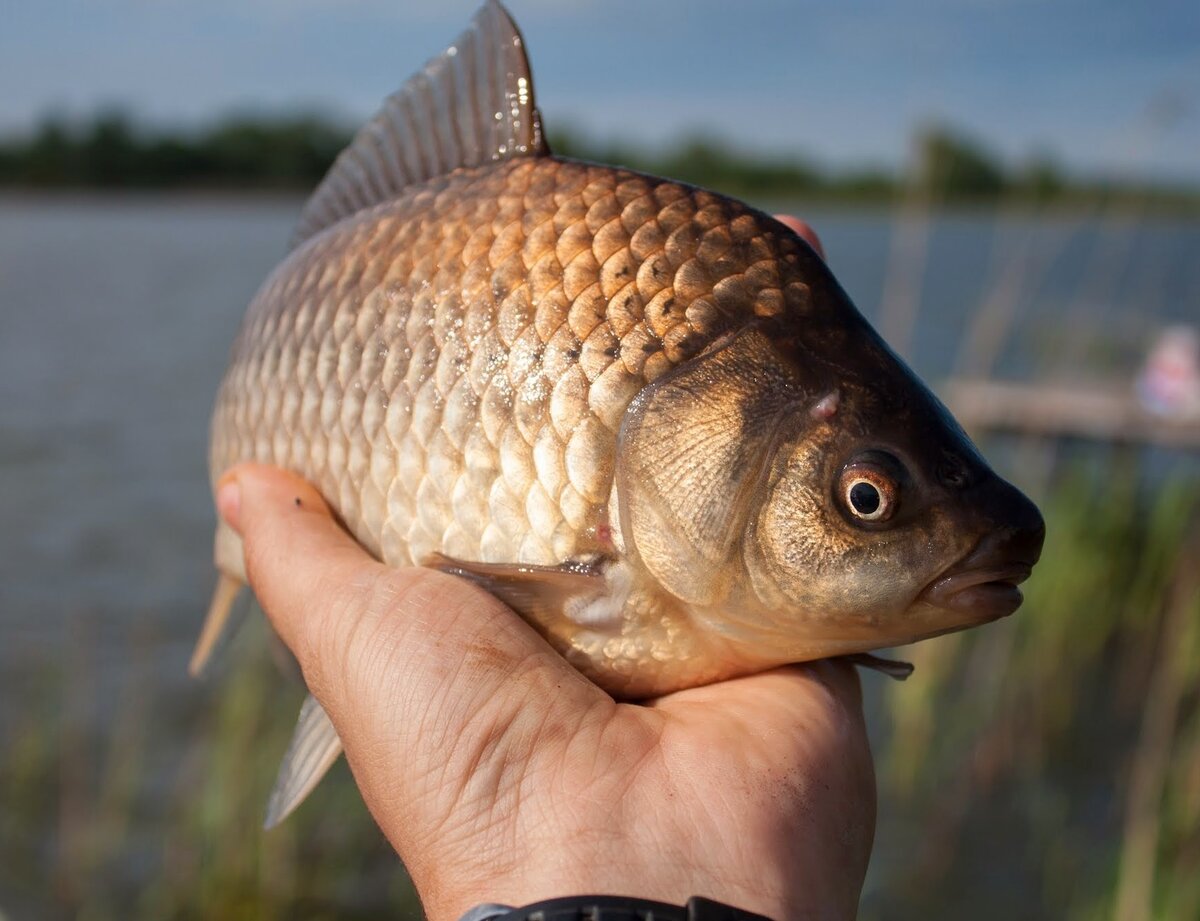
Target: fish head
{"x": 800, "y": 490}
{"x": 879, "y": 521}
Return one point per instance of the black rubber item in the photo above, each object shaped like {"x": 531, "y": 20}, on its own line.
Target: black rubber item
{"x": 619, "y": 908}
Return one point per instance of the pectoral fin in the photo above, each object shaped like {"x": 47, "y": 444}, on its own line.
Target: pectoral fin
{"x": 314, "y": 747}
{"x": 540, "y": 594}
{"x": 218, "y": 617}
{"x": 231, "y": 569}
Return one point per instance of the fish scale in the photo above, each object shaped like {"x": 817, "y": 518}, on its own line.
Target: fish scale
{"x": 451, "y": 368}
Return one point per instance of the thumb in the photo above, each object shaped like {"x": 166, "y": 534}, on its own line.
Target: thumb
{"x": 405, "y": 661}
{"x": 305, "y": 570}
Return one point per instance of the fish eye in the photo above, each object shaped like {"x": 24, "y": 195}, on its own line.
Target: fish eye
{"x": 864, "y": 498}
{"x": 868, "y": 492}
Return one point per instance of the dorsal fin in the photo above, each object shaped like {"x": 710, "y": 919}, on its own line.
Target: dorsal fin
{"x": 470, "y": 105}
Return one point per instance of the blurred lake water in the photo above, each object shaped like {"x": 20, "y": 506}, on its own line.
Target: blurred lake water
{"x": 115, "y": 320}
{"x": 116, "y": 316}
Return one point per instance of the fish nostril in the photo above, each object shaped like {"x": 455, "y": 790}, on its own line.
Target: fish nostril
{"x": 952, "y": 472}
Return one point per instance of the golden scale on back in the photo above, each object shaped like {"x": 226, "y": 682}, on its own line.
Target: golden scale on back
{"x": 643, "y": 414}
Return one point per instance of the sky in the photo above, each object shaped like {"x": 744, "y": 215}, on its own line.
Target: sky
{"x": 1108, "y": 87}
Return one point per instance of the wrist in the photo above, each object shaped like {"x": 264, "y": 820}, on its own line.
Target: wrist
{"x": 612, "y": 908}
{"x": 762, "y": 867}
{"x": 656, "y": 881}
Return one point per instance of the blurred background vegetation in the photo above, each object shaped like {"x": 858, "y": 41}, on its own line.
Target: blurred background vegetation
{"x": 112, "y": 151}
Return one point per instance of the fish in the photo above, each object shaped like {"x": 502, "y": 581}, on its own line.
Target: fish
{"x": 643, "y": 414}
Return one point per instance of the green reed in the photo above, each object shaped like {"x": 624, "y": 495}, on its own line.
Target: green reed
{"x": 1049, "y": 765}
{"x": 161, "y": 817}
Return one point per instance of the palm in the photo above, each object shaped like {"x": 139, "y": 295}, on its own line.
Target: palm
{"x": 764, "y": 782}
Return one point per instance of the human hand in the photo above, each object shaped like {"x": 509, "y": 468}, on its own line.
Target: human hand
{"x": 500, "y": 774}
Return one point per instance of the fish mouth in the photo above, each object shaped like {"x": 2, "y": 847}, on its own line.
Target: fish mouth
{"x": 986, "y": 592}
{"x": 983, "y": 585}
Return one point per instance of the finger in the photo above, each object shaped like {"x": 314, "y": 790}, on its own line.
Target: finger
{"x": 295, "y": 553}
{"x": 805, "y": 231}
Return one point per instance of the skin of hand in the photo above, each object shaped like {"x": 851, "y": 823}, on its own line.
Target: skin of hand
{"x": 500, "y": 774}
{"x": 804, "y": 229}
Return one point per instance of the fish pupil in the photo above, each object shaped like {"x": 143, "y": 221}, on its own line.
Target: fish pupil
{"x": 865, "y": 498}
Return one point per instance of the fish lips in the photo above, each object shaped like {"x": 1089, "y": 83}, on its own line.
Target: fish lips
{"x": 984, "y": 594}
{"x": 983, "y": 586}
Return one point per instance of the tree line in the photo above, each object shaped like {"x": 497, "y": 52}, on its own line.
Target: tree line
{"x": 292, "y": 153}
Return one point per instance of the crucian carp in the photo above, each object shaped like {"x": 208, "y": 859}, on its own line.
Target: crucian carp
{"x": 643, "y": 414}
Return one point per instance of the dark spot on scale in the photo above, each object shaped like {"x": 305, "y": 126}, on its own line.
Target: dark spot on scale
{"x": 538, "y": 353}
{"x": 613, "y": 351}
{"x": 667, "y": 305}
{"x": 624, "y": 273}
{"x": 656, "y": 270}
{"x": 649, "y": 347}
{"x": 298, "y": 502}
{"x": 572, "y": 354}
